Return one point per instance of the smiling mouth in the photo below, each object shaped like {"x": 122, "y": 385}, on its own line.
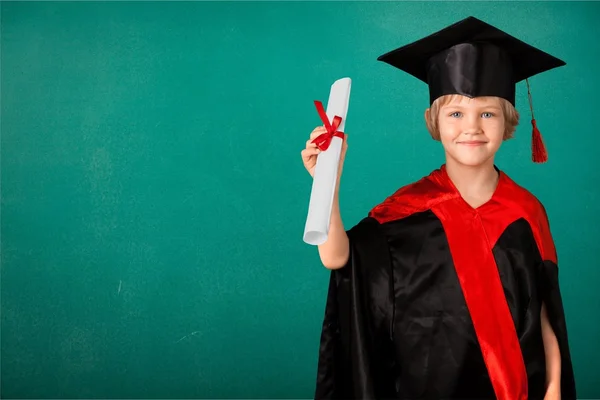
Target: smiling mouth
{"x": 472, "y": 143}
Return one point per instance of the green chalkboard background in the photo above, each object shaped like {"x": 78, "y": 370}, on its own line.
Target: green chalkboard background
{"x": 154, "y": 199}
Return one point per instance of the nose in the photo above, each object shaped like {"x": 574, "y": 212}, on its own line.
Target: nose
{"x": 472, "y": 125}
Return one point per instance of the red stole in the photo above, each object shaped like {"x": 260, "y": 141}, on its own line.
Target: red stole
{"x": 472, "y": 234}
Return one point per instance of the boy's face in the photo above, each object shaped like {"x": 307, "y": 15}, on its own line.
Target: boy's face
{"x": 471, "y": 130}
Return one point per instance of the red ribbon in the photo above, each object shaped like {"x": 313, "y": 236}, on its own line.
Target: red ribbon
{"x": 324, "y": 140}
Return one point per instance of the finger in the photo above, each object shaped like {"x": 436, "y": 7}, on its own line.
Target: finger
{"x": 310, "y": 144}
{"x": 313, "y": 151}
{"x": 308, "y": 153}
{"x": 318, "y": 131}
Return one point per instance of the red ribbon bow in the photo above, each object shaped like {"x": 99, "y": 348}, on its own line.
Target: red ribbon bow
{"x": 324, "y": 140}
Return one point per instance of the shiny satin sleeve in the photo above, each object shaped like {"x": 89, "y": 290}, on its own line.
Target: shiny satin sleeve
{"x": 550, "y": 294}
{"x": 355, "y": 357}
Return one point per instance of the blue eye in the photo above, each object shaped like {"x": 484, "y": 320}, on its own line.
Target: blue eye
{"x": 456, "y": 114}
{"x": 487, "y": 115}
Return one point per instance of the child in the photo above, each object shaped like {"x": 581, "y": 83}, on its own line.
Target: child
{"x": 449, "y": 287}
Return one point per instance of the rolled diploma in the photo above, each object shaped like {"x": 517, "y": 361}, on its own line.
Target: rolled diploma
{"x": 318, "y": 219}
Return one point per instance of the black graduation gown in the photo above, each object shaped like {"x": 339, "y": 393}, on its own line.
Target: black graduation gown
{"x": 440, "y": 300}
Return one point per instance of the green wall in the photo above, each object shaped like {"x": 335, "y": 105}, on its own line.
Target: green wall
{"x": 154, "y": 199}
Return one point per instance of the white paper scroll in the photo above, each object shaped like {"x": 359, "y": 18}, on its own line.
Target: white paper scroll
{"x": 316, "y": 229}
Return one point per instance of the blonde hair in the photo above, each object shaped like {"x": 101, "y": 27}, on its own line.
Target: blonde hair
{"x": 511, "y": 116}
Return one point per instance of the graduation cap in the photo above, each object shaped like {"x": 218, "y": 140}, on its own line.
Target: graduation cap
{"x": 473, "y": 58}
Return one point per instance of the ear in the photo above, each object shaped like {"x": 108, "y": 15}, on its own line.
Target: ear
{"x": 427, "y": 114}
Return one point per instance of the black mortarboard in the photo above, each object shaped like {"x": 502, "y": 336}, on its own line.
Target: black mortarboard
{"x": 471, "y": 58}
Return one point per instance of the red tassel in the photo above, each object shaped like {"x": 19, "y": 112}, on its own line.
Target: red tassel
{"x": 540, "y": 155}
{"x": 538, "y": 149}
